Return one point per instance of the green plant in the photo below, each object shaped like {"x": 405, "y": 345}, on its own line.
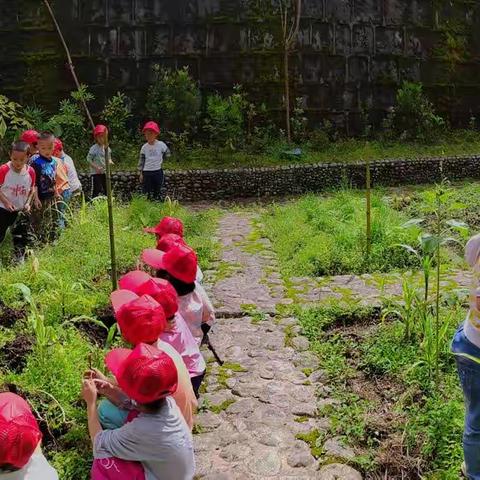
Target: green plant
{"x": 298, "y": 121}
{"x": 116, "y": 114}
{"x": 414, "y": 116}
{"x": 224, "y": 122}
{"x": 12, "y": 121}
{"x": 174, "y": 99}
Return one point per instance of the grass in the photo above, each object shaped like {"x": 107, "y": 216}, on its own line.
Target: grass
{"x": 457, "y": 142}
{"x": 69, "y": 279}
{"x": 316, "y": 236}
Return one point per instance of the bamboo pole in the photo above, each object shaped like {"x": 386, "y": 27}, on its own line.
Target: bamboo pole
{"x": 113, "y": 256}
{"x": 369, "y": 210}
{"x": 107, "y": 150}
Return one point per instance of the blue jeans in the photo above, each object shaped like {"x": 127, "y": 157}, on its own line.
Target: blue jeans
{"x": 469, "y": 373}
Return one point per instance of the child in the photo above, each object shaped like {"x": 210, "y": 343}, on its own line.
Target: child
{"x": 142, "y": 320}
{"x": 17, "y": 184}
{"x": 45, "y": 166}
{"x": 466, "y": 348}
{"x": 179, "y": 266}
{"x": 158, "y": 437}
{"x": 151, "y": 161}
{"x": 73, "y": 180}
{"x": 30, "y": 137}
{"x": 96, "y": 160}
{"x": 62, "y": 187}
{"x": 177, "y": 332}
{"x": 21, "y": 455}
{"x": 164, "y": 230}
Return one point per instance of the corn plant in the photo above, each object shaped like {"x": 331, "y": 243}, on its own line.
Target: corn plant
{"x": 438, "y": 207}
{"x": 44, "y": 335}
{"x": 408, "y": 310}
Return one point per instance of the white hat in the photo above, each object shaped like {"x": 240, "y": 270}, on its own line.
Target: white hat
{"x": 472, "y": 251}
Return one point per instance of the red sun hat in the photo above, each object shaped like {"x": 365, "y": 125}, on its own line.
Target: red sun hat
{"x": 99, "y": 130}
{"x": 180, "y": 262}
{"x": 140, "y": 283}
{"x": 57, "y": 145}
{"x": 19, "y": 432}
{"x": 167, "y": 225}
{"x": 133, "y": 280}
{"x": 145, "y": 373}
{"x": 163, "y": 292}
{"x": 169, "y": 240}
{"x": 153, "y": 126}
{"x": 141, "y": 319}
{"x": 29, "y": 136}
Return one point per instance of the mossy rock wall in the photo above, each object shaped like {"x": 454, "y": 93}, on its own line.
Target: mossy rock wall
{"x": 350, "y": 54}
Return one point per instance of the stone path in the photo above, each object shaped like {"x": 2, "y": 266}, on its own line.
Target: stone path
{"x": 247, "y": 275}
{"x": 368, "y": 289}
{"x": 265, "y": 394}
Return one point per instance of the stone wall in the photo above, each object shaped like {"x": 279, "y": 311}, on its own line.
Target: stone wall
{"x": 350, "y": 54}
{"x": 198, "y": 185}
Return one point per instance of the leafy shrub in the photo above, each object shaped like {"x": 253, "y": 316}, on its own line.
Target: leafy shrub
{"x": 12, "y": 121}
{"x": 174, "y": 99}
{"x": 116, "y": 114}
{"x": 319, "y": 140}
{"x": 414, "y": 116}
{"x": 224, "y": 122}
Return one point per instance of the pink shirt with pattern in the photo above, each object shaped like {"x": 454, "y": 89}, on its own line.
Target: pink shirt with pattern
{"x": 16, "y": 186}
{"x": 180, "y": 337}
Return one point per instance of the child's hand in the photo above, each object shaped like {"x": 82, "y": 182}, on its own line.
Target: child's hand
{"x": 140, "y": 177}
{"x": 89, "y": 391}
{"x": 27, "y": 208}
{"x": 38, "y": 204}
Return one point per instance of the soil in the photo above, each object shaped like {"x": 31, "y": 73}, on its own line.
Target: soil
{"x": 95, "y": 333}
{"x": 14, "y": 354}
{"x": 9, "y": 316}
{"x": 105, "y": 315}
{"x": 383, "y": 423}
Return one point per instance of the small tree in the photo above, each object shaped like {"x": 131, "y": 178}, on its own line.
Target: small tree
{"x": 174, "y": 99}
{"x": 414, "y": 116}
{"x": 224, "y": 121}
{"x": 290, "y": 12}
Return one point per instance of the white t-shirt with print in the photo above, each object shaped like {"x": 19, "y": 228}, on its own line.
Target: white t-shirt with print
{"x": 36, "y": 469}
{"x": 16, "y": 186}
{"x": 151, "y": 156}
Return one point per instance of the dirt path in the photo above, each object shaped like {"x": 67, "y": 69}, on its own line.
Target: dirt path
{"x": 264, "y": 396}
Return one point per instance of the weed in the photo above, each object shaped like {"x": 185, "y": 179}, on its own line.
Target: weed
{"x": 314, "y": 440}
{"x": 222, "y": 407}
{"x": 289, "y": 336}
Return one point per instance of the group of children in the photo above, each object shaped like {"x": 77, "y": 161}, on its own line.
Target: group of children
{"x": 141, "y": 430}
{"x": 40, "y": 180}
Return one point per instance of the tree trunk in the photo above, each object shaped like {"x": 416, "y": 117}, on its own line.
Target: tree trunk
{"x": 287, "y": 94}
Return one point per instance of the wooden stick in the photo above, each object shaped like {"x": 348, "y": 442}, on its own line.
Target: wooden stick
{"x": 107, "y": 150}
{"x": 108, "y": 176}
